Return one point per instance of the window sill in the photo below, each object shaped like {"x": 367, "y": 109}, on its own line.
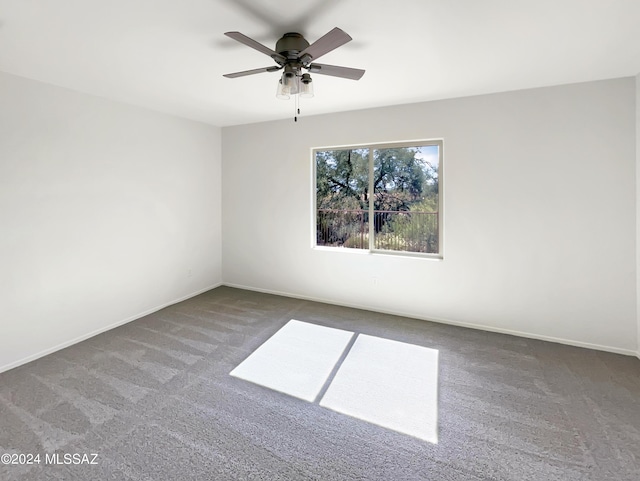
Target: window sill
{"x": 360, "y": 252}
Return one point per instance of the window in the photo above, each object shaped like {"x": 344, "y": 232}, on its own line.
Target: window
{"x": 380, "y": 197}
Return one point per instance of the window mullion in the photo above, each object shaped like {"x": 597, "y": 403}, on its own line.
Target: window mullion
{"x": 371, "y": 203}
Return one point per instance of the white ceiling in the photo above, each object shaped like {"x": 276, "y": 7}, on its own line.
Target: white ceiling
{"x": 169, "y": 55}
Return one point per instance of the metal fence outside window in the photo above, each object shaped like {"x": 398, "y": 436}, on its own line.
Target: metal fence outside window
{"x": 393, "y": 230}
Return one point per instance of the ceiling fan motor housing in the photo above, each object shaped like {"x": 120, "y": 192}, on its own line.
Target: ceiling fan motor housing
{"x": 290, "y": 45}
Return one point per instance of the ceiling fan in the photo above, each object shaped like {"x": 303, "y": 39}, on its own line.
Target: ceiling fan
{"x": 293, "y": 53}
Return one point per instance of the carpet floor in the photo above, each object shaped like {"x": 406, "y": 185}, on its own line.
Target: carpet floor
{"x": 154, "y": 400}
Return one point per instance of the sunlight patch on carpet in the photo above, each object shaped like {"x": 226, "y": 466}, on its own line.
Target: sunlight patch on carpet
{"x": 389, "y": 383}
{"x": 296, "y": 360}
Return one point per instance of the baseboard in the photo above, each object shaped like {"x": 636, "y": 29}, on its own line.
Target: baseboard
{"x": 528, "y": 335}
{"x": 76, "y": 340}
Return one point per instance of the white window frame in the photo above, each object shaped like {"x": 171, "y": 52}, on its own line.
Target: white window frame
{"x": 372, "y": 146}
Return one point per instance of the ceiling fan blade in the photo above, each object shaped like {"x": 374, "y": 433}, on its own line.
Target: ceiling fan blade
{"x": 239, "y": 37}
{"x": 335, "y": 71}
{"x": 325, "y": 44}
{"x": 251, "y": 72}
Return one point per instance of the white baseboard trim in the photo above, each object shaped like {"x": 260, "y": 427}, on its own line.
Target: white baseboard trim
{"x": 78, "y": 339}
{"x": 528, "y": 335}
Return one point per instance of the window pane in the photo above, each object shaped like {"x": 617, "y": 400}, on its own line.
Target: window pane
{"x": 342, "y": 198}
{"x": 405, "y": 200}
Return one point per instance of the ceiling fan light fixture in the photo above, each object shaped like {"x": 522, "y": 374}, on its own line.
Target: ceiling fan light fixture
{"x": 282, "y": 92}
{"x": 288, "y": 85}
{"x": 291, "y": 81}
{"x": 306, "y": 86}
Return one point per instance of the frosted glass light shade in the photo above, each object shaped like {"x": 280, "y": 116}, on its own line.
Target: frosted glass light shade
{"x": 290, "y": 82}
{"x": 283, "y": 91}
{"x": 306, "y": 86}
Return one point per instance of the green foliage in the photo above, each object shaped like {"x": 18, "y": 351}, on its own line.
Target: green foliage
{"x": 399, "y": 179}
{"x": 409, "y": 231}
{"x": 342, "y": 179}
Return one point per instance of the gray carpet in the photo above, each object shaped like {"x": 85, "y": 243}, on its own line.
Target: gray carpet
{"x": 154, "y": 400}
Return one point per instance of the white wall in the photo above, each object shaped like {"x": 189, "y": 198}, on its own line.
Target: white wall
{"x": 539, "y": 213}
{"x": 104, "y": 211}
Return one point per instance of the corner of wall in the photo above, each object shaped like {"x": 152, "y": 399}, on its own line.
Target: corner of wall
{"x": 637, "y": 98}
